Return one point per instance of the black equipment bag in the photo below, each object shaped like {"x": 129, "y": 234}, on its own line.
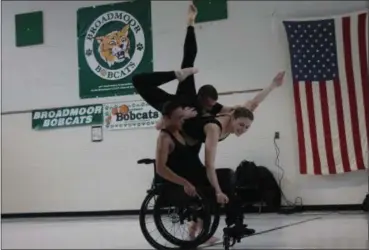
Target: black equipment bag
{"x": 257, "y": 184}
{"x": 366, "y": 203}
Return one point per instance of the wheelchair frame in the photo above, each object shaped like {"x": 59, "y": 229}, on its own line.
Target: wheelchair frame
{"x": 228, "y": 240}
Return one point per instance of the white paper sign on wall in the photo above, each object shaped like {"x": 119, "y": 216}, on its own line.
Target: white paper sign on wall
{"x": 129, "y": 115}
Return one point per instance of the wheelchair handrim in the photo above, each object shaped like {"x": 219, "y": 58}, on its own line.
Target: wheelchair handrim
{"x": 200, "y": 238}
{"x": 145, "y": 232}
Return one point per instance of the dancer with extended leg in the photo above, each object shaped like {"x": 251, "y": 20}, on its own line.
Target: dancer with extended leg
{"x": 147, "y": 85}
{"x": 204, "y": 129}
{"x": 205, "y": 101}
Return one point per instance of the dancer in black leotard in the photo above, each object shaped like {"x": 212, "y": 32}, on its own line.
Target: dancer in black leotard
{"x": 175, "y": 160}
{"x": 212, "y": 129}
{"x": 177, "y": 164}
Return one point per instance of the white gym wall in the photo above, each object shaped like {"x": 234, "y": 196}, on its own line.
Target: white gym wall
{"x": 61, "y": 170}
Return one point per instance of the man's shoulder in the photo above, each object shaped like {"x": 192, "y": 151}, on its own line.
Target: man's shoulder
{"x": 216, "y": 108}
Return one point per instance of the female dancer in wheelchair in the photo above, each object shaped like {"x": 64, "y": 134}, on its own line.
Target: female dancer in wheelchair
{"x": 178, "y": 163}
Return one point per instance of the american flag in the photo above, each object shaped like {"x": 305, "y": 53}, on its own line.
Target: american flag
{"x": 329, "y": 61}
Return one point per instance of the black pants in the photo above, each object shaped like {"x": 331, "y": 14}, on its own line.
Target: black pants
{"x": 147, "y": 84}
{"x": 226, "y": 179}
{"x": 233, "y": 210}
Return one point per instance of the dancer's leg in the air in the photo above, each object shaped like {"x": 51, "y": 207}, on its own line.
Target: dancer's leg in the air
{"x": 187, "y": 87}
{"x": 147, "y": 85}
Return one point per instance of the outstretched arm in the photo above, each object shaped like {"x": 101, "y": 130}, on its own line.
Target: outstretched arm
{"x": 255, "y": 102}
{"x": 212, "y": 132}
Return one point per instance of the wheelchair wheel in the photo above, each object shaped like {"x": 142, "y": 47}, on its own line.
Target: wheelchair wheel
{"x": 189, "y": 210}
{"x": 147, "y": 223}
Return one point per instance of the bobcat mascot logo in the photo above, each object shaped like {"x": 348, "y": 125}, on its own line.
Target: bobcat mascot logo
{"x": 114, "y": 47}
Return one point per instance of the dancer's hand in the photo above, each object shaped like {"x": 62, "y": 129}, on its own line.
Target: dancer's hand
{"x": 159, "y": 124}
{"x": 190, "y": 189}
{"x": 222, "y": 198}
{"x": 189, "y": 112}
{"x": 278, "y": 79}
{"x": 192, "y": 13}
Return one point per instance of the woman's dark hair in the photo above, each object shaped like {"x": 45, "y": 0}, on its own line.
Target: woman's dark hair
{"x": 241, "y": 112}
{"x": 169, "y": 107}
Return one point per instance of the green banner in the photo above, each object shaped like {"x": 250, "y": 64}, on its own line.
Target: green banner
{"x": 114, "y": 42}
{"x": 67, "y": 117}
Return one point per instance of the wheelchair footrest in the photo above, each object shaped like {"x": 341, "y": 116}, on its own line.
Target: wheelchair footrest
{"x": 235, "y": 234}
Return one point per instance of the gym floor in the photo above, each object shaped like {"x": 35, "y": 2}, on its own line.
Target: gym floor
{"x": 346, "y": 230}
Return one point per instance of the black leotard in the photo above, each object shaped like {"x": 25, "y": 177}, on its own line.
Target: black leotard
{"x": 184, "y": 160}
{"x": 195, "y": 127}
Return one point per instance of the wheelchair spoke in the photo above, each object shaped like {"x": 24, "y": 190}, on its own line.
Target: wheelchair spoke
{"x": 178, "y": 231}
{"x": 182, "y": 234}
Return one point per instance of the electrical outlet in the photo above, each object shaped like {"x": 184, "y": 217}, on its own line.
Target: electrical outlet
{"x": 276, "y": 135}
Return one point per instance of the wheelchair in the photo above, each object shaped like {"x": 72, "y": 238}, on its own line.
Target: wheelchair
{"x": 179, "y": 209}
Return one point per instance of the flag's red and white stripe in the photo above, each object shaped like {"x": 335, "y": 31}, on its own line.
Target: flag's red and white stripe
{"x": 333, "y": 116}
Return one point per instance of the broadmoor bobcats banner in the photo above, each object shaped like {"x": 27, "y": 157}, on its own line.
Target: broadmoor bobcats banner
{"x": 114, "y": 42}
{"x": 67, "y": 117}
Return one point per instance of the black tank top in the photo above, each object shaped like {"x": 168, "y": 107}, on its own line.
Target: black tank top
{"x": 194, "y": 127}
{"x": 184, "y": 159}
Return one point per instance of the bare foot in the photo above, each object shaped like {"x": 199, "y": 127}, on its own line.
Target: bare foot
{"x": 182, "y": 74}
{"x": 192, "y": 13}
{"x": 192, "y": 230}
{"x": 212, "y": 241}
